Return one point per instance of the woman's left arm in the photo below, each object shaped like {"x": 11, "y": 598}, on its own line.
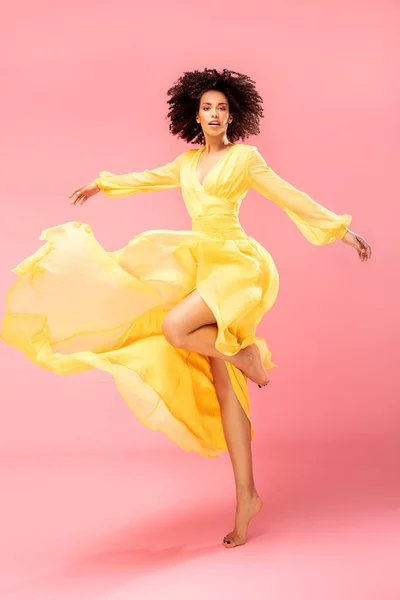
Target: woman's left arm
{"x": 318, "y": 224}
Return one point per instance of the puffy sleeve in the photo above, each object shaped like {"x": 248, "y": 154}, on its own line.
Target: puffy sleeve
{"x": 160, "y": 178}
{"x": 318, "y": 224}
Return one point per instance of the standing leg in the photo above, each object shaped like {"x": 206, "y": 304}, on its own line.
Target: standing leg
{"x": 237, "y": 434}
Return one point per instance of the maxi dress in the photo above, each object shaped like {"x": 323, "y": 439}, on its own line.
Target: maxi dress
{"x": 76, "y": 306}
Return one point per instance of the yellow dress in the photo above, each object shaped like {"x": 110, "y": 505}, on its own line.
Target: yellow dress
{"x": 76, "y": 306}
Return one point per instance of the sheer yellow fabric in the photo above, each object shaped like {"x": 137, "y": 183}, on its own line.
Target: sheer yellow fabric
{"x": 318, "y": 224}
{"x": 76, "y": 306}
{"x": 162, "y": 178}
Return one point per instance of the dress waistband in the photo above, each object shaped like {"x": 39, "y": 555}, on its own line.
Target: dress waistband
{"x": 225, "y": 226}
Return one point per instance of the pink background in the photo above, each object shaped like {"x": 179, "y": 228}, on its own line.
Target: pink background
{"x": 84, "y": 89}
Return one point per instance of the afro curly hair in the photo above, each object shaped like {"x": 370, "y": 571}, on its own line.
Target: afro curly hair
{"x": 244, "y": 103}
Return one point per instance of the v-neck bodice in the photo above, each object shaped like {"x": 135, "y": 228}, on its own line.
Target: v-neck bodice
{"x": 199, "y": 153}
{"x": 213, "y": 205}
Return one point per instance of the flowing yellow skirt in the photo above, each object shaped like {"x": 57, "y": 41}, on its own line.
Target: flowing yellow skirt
{"x": 76, "y": 306}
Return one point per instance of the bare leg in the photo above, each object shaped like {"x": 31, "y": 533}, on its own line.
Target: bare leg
{"x": 191, "y": 325}
{"x": 238, "y": 437}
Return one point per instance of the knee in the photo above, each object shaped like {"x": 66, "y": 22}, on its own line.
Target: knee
{"x": 172, "y": 331}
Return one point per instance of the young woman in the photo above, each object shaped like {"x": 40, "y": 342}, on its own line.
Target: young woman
{"x": 173, "y": 314}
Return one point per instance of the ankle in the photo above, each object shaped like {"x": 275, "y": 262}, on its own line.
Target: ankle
{"x": 245, "y": 493}
{"x": 239, "y": 359}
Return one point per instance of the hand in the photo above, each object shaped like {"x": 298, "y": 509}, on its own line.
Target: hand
{"x": 84, "y": 192}
{"x": 357, "y": 242}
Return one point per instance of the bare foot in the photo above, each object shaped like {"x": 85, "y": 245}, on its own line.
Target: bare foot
{"x": 245, "y": 511}
{"x": 248, "y": 360}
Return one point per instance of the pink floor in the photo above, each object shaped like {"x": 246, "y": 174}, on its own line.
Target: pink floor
{"x": 121, "y": 526}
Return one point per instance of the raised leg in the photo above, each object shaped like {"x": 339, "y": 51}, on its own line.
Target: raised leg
{"x": 237, "y": 432}
{"x": 191, "y": 325}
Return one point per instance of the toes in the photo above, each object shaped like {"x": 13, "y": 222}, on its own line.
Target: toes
{"x": 230, "y": 544}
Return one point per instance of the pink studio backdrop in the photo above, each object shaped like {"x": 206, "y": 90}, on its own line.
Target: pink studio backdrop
{"x": 91, "y": 507}
{"x": 84, "y": 89}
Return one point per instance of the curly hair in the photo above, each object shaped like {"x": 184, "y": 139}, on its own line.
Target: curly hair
{"x": 244, "y": 103}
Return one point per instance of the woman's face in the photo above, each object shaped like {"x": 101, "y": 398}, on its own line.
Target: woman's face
{"x": 214, "y": 107}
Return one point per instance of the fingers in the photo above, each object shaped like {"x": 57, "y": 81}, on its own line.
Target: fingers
{"x": 75, "y": 192}
{"x": 80, "y": 198}
{"x": 366, "y": 251}
{"x": 361, "y": 252}
{"x": 363, "y": 249}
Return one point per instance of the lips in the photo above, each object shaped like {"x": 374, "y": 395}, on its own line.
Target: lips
{"x": 213, "y": 123}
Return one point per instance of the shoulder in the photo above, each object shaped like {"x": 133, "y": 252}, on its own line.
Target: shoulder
{"x": 247, "y": 146}
{"x": 180, "y": 159}
{"x": 248, "y": 149}
{"x": 248, "y": 152}
{"x": 190, "y": 151}
{"x": 187, "y": 154}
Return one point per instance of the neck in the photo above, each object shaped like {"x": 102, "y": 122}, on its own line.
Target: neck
{"x": 216, "y": 144}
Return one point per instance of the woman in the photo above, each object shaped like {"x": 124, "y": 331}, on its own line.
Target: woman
{"x": 173, "y": 314}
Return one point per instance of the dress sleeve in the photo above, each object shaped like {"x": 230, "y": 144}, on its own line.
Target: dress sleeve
{"x": 160, "y": 178}
{"x": 318, "y": 224}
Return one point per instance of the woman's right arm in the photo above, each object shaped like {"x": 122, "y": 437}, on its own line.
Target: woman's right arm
{"x": 160, "y": 178}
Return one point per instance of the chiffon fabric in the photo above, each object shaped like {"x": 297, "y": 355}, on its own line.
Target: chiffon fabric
{"x": 76, "y": 306}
